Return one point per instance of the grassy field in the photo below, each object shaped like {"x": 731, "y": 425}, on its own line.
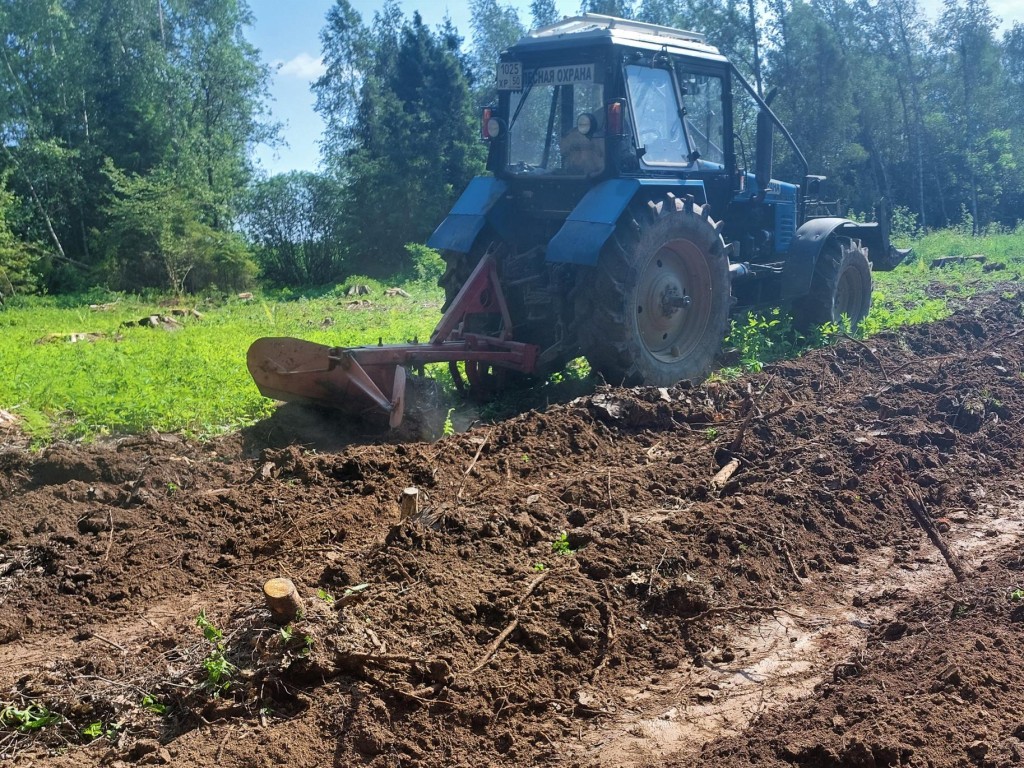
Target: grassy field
{"x": 193, "y": 380}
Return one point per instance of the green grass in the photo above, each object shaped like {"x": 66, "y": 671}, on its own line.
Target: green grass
{"x": 916, "y": 293}
{"x": 192, "y": 380}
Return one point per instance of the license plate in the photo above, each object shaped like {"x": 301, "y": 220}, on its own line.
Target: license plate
{"x": 510, "y": 76}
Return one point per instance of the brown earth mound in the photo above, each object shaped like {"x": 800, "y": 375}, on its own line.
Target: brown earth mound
{"x": 583, "y": 586}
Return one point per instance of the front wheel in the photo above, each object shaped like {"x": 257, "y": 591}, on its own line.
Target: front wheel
{"x": 840, "y": 287}
{"x": 656, "y": 307}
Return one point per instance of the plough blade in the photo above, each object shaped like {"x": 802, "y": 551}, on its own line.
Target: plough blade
{"x": 303, "y": 371}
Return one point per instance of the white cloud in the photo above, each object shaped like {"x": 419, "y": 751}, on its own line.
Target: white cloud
{"x": 303, "y": 66}
{"x": 1007, "y": 10}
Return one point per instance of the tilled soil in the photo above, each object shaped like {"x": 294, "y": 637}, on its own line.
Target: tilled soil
{"x": 576, "y": 588}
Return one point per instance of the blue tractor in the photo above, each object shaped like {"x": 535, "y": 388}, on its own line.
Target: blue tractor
{"x": 629, "y": 211}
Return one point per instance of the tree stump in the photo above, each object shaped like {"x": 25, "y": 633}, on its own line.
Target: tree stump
{"x": 410, "y": 503}
{"x": 282, "y": 599}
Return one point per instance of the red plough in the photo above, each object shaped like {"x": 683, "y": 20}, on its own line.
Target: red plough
{"x": 361, "y": 380}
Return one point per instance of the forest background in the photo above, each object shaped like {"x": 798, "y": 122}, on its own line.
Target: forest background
{"x": 128, "y": 129}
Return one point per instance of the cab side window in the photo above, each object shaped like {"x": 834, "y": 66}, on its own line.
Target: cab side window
{"x": 702, "y": 102}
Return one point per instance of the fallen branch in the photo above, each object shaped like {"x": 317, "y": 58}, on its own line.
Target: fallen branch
{"x": 789, "y": 562}
{"x": 739, "y": 609}
{"x": 871, "y": 354}
{"x": 465, "y": 475}
{"x": 734, "y": 446}
{"x": 378, "y": 659}
{"x": 111, "y": 643}
{"x": 496, "y": 644}
{"x": 609, "y": 635}
{"x": 110, "y": 538}
{"x": 223, "y": 743}
{"x": 415, "y": 695}
{"x": 916, "y": 505}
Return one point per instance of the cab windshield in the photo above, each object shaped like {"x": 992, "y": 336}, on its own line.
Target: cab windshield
{"x": 557, "y": 122}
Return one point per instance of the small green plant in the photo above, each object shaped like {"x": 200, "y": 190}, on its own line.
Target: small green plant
{"x": 286, "y": 633}
{"x": 959, "y": 610}
{"x": 710, "y": 434}
{"x": 154, "y": 705}
{"x": 219, "y": 672}
{"x": 93, "y": 730}
{"x": 210, "y": 630}
{"x": 326, "y": 596}
{"x": 172, "y": 488}
{"x": 1017, "y": 595}
{"x": 97, "y": 729}
{"x": 218, "y": 669}
{"x": 560, "y": 546}
{"x": 29, "y": 718}
{"x": 763, "y": 338}
{"x": 539, "y": 567}
{"x": 449, "y": 426}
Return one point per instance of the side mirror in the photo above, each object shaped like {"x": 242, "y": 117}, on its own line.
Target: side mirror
{"x": 764, "y": 149}
{"x": 812, "y": 185}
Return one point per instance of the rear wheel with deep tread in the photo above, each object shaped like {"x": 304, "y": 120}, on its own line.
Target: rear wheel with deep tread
{"x": 656, "y": 308}
{"x": 840, "y": 287}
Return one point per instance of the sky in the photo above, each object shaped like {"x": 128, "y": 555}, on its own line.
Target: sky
{"x": 288, "y": 34}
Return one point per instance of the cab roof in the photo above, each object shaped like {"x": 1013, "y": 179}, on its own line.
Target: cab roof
{"x": 595, "y": 28}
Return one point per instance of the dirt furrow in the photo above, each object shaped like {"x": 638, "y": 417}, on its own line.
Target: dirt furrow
{"x": 819, "y": 635}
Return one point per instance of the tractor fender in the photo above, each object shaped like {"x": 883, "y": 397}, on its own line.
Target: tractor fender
{"x": 807, "y": 245}
{"x": 595, "y": 217}
{"x": 480, "y": 203}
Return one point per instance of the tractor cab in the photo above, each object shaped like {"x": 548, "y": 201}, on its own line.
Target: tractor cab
{"x": 598, "y": 98}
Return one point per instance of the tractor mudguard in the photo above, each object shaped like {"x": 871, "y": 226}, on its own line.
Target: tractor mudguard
{"x": 809, "y": 241}
{"x": 478, "y": 205}
{"x": 594, "y": 218}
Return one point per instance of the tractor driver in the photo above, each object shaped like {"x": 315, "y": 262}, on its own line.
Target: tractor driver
{"x": 582, "y": 149}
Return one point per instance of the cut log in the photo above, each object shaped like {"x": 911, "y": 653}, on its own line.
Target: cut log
{"x": 945, "y": 261}
{"x": 282, "y": 599}
{"x": 721, "y": 478}
{"x": 410, "y": 503}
